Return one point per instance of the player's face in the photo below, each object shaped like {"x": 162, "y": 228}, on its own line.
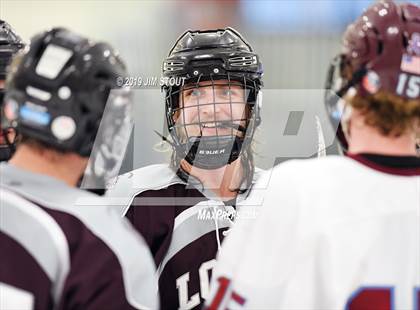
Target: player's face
{"x": 207, "y": 109}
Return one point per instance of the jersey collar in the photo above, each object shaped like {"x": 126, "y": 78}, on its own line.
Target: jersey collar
{"x": 397, "y": 165}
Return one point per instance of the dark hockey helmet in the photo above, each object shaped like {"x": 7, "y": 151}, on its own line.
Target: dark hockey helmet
{"x": 10, "y": 44}
{"x": 62, "y": 92}
{"x": 212, "y": 56}
{"x": 382, "y": 48}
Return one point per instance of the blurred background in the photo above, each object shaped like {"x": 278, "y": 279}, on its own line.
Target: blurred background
{"x": 296, "y": 39}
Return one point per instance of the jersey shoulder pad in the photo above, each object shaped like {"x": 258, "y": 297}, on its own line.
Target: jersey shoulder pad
{"x": 125, "y": 187}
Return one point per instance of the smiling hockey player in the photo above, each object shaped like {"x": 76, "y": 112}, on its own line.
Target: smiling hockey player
{"x": 211, "y": 120}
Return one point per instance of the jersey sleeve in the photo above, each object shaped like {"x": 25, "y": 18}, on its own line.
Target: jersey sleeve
{"x": 107, "y": 271}
{"x": 136, "y": 195}
{"x": 97, "y": 285}
{"x": 154, "y": 222}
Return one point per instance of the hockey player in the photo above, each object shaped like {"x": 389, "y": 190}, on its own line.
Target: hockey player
{"x": 343, "y": 232}
{"x": 60, "y": 247}
{"x": 183, "y": 209}
{"x": 10, "y": 44}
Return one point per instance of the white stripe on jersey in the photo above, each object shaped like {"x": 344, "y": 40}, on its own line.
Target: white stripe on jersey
{"x": 191, "y": 228}
{"x": 57, "y": 267}
{"x": 140, "y": 283}
{"x": 186, "y": 214}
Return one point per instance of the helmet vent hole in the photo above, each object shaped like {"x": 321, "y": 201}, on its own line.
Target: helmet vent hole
{"x": 102, "y": 75}
{"x": 84, "y": 109}
{"x": 405, "y": 40}
{"x": 380, "y": 47}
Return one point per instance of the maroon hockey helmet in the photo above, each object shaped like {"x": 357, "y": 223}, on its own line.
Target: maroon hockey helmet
{"x": 382, "y": 48}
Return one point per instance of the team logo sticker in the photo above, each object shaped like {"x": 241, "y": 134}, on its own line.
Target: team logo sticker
{"x": 63, "y": 127}
{"x": 414, "y": 44}
{"x": 371, "y": 82}
{"x": 11, "y": 109}
{"x": 34, "y": 114}
{"x": 410, "y": 62}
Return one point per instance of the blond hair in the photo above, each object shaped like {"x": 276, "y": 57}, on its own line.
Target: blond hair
{"x": 390, "y": 114}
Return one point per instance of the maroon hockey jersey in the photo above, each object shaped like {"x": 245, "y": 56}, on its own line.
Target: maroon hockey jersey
{"x": 183, "y": 224}
{"x": 62, "y": 249}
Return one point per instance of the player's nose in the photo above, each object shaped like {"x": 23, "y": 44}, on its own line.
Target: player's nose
{"x": 208, "y": 104}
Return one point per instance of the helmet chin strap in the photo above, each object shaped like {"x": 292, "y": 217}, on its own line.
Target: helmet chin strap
{"x": 213, "y": 152}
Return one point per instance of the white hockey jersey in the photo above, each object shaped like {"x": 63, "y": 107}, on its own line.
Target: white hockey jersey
{"x": 332, "y": 233}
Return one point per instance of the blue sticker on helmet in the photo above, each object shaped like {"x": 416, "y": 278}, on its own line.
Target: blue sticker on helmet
{"x": 29, "y": 114}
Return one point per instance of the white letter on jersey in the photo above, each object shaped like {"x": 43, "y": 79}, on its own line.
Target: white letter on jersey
{"x": 182, "y": 285}
{"x": 204, "y": 277}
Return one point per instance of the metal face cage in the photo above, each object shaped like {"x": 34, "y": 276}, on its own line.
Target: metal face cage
{"x": 212, "y": 119}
